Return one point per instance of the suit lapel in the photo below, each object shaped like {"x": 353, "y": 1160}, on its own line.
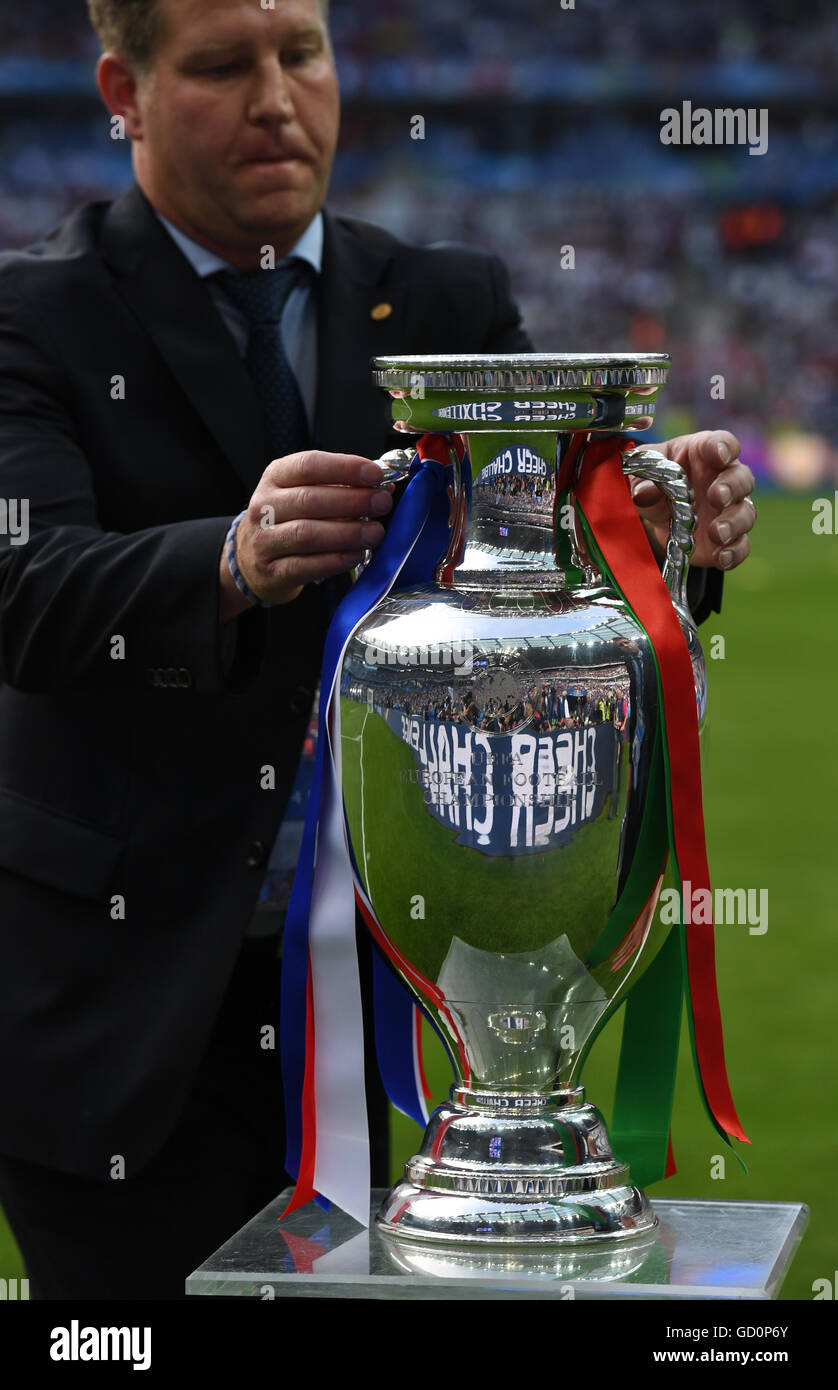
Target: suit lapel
{"x": 358, "y": 276}
{"x": 162, "y": 290}
{"x": 359, "y": 273}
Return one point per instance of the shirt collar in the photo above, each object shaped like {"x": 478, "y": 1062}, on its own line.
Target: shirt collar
{"x": 205, "y": 262}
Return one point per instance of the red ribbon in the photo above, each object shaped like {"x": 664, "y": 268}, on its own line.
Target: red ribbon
{"x": 605, "y": 496}
{"x": 304, "y": 1189}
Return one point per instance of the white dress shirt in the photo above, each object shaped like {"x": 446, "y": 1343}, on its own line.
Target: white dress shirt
{"x": 299, "y": 317}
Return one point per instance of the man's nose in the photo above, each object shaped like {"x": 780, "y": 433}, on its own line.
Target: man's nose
{"x": 271, "y": 98}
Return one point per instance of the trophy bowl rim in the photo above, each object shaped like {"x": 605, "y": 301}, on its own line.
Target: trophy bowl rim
{"x": 521, "y": 370}
{"x": 505, "y": 359}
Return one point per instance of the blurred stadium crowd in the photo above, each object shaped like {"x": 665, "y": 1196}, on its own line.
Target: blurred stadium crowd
{"x": 391, "y": 38}
{"x": 542, "y": 129}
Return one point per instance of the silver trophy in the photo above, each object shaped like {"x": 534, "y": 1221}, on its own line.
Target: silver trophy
{"x": 497, "y": 733}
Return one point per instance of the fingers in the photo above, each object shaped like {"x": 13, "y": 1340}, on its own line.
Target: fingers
{"x": 298, "y": 570}
{"x": 314, "y": 484}
{"x": 732, "y": 523}
{"x": 732, "y": 485}
{"x": 311, "y": 537}
{"x": 730, "y": 491}
{"x": 312, "y": 516}
{"x": 714, "y": 449}
{"x": 313, "y": 466}
{"x": 703, "y": 455}
{"x": 277, "y": 561}
{"x": 717, "y": 446}
{"x": 312, "y": 501}
{"x": 732, "y": 555}
{"x": 644, "y": 493}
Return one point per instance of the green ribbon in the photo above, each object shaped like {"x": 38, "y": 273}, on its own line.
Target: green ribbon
{"x": 648, "y": 1063}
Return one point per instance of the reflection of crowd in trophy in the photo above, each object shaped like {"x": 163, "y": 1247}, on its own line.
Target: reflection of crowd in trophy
{"x": 599, "y": 702}
{"x": 545, "y": 707}
{"x": 515, "y": 493}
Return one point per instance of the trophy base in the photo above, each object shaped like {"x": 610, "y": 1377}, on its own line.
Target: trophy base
{"x": 516, "y": 1169}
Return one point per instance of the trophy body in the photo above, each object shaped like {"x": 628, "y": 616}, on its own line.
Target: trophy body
{"x": 497, "y": 736}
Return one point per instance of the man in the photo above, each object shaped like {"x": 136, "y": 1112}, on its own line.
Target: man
{"x": 160, "y": 644}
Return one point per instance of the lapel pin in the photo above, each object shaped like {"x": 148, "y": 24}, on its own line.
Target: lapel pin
{"x": 381, "y": 311}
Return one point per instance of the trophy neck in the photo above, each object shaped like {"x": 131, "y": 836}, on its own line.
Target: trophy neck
{"x": 519, "y": 530}
{"x": 513, "y": 525}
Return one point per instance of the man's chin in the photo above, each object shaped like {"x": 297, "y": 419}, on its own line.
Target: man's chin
{"x": 275, "y": 216}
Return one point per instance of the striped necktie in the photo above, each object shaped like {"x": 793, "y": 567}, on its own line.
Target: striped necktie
{"x": 261, "y": 297}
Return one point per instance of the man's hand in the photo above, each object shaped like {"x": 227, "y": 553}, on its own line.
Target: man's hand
{"x": 305, "y": 521}
{"x": 720, "y": 487}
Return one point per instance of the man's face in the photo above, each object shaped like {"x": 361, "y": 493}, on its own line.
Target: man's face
{"x": 238, "y": 122}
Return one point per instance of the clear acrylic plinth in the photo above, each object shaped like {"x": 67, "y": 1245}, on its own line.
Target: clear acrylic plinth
{"x": 699, "y": 1250}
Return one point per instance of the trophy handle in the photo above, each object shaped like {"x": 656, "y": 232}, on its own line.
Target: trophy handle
{"x": 670, "y": 477}
{"x": 395, "y": 465}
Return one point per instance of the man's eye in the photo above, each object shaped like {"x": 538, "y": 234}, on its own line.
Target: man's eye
{"x": 223, "y": 69}
{"x": 297, "y": 56}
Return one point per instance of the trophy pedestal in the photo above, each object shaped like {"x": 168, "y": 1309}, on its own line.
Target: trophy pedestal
{"x": 699, "y": 1250}
{"x": 519, "y": 1168}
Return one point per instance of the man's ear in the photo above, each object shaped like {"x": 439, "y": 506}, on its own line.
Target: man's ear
{"x": 117, "y": 82}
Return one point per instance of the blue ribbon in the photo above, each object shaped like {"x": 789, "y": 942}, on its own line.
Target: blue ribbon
{"x": 419, "y": 531}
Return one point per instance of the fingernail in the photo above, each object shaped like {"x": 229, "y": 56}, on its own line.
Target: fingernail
{"x": 724, "y": 531}
{"x": 382, "y": 502}
{"x": 725, "y": 559}
{"x": 370, "y": 473}
{"x": 371, "y": 535}
{"x": 724, "y": 453}
{"x": 724, "y": 491}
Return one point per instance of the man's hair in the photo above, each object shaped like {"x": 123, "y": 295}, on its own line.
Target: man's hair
{"x": 131, "y": 28}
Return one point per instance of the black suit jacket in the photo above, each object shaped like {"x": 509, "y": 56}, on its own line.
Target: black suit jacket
{"x": 137, "y": 777}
